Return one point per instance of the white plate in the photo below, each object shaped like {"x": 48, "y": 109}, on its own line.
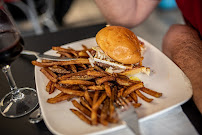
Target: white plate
{"x": 165, "y": 77}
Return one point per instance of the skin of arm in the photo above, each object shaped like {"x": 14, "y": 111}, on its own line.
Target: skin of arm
{"x": 127, "y": 13}
{"x": 184, "y": 47}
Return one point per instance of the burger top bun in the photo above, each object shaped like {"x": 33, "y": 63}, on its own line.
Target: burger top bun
{"x": 120, "y": 44}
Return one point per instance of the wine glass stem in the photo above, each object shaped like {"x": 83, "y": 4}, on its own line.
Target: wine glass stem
{"x": 15, "y": 92}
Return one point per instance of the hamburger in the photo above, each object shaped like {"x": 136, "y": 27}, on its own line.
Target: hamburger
{"x": 118, "y": 51}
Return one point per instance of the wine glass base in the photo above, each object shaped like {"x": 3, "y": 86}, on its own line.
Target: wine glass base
{"x": 25, "y": 103}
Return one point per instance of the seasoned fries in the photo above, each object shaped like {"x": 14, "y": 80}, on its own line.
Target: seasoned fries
{"x": 151, "y": 92}
{"x": 104, "y": 112}
{"x": 132, "y": 88}
{"x": 99, "y": 81}
{"x": 88, "y": 98}
{"x": 60, "y": 98}
{"x": 76, "y": 82}
{"x": 69, "y": 91}
{"x": 81, "y": 116}
{"x": 62, "y": 63}
{"x": 81, "y": 108}
{"x": 96, "y": 73}
{"x": 93, "y": 91}
{"x": 96, "y": 87}
{"x": 48, "y": 75}
{"x": 143, "y": 97}
{"x": 107, "y": 89}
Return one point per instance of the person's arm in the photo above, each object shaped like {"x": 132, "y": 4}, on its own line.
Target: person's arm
{"x": 183, "y": 46}
{"x": 128, "y": 13}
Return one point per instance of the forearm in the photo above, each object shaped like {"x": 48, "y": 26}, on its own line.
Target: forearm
{"x": 189, "y": 59}
{"x": 183, "y": 45}
{"x": 126, "y": 13}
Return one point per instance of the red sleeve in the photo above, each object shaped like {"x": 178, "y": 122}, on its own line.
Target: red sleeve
{"x": 192, "y": 12}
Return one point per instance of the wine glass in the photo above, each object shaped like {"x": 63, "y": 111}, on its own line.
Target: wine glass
{"x": 19, "y": 101}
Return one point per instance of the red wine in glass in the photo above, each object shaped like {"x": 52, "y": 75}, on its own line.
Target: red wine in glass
{"x": 10, "y": 47}
{"x": 19, "y": 101}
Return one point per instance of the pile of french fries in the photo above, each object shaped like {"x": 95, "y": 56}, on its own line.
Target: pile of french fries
{"x": 93, "y": 91}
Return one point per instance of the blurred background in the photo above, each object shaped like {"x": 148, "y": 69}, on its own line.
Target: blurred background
{"x": 35, "y": 17}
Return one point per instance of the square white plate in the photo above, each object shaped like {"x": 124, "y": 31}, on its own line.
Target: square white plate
{"x": 165, "y": 77}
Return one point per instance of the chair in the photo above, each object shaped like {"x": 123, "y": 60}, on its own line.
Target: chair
{"x": 29, "y": 9}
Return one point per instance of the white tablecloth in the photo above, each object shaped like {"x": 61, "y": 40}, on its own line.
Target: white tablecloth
{"x": 173, "y": 122}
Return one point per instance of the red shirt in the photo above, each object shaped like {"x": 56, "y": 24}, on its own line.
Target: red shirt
{"x": 192, "y": 12}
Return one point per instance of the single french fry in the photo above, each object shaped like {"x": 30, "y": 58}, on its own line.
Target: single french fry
{"x": 48, "y": 86}
{"x": 84, "y": 47}
{"x": 84, "y": 103}
{"x": 48, "y": 75}
{"x": 96, "y": 73}
{"x": 52, "y": 89}
{"x": 62, "y": 63}
{"x": 58, "y": 69}
{"x": 107, "y": 89}
{"x": 151, "y": 92}
{"x": 81, "y": 108}
{"x": 132, "y": 88}
{"x": 104, "y": 79}
{"x": 73, "y": 68}
{"x": 69, "y": 91}
{"x": 99, "y": 101}
{"x": 103, "y": 122}
{"x": 98, "y": 68}
{"x": 51, "y": 73}
{"x": 101, "y": 70}
{"x": 143, "y": 97}
{"x": 104, "y": 112}
{"x": 111, "y": 110}
{"x": 88, "y": 98}
{"x": 80, "y": 73}
{"x": 94, "y": 118}
{"x": 60, "y": 49}
{"x": 134, "y": 97}
{"x": 120, "y": 92}
{"x": 73, "y": 87}
{"x": 74, "y": 53}
{"x": 81, "y": 116}
{"x": 59, "y": 98}
{"x": 77, "y": 61}
{"x": 66, "y": 54}
{"x": 95, "y": 97}
{"x": 81, "y": 77}
{"x": 39, "y": 64}
{"x": 136, "y": 105}
{"x": 76, "y": 82}
{"x": 96, "y": 87}
{"x": 69, "y": 50}
{"x": 125, "y": 82}
{"x": 113, "y": 94}
{"x": 60, "y": 94}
